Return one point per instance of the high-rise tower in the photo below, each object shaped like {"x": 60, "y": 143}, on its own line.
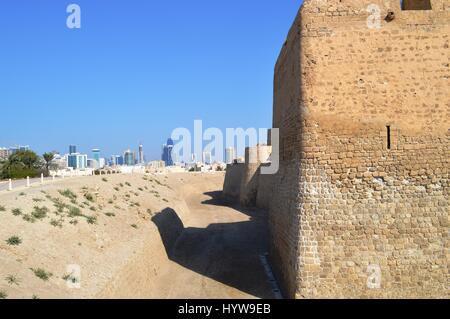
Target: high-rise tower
{"x": 72, "y": 149}
{"x": 167, "y": 152}
{"x": 96, "y": 157}
{"x": 141, "y": 154}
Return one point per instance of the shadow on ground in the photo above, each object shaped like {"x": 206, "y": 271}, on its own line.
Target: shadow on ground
{"x": 228, "y": 253}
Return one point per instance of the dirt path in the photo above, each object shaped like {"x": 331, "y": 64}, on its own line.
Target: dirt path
{"x": 218, "y": 252}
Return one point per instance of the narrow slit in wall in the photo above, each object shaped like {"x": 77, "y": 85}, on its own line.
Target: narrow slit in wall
{"x": 388, "y": 137}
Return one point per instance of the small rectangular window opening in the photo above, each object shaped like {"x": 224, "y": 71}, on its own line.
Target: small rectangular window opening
{"x": 416, "y": 4}
{"x": 388, "y": 137}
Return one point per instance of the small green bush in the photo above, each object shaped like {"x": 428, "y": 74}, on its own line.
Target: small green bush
{"x": 59, "y": 205}
{"x": 41, "y": 274}
{"x": 68, "y": 193}
{"x": 12, "y": 280}
{"x": 29, "y": 218}
{"x": 74, "y": 212}
{"x": 70, "y": 278}
{"x": 91, "y": 220}
{"x": 56, "y": 223}
{"x": 16, "y": 212}
{"x": 14, "y": 241}
{"x": 39, "y": 212}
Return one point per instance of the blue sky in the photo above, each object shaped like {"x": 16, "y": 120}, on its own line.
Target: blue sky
{"x": 135, "y": 70}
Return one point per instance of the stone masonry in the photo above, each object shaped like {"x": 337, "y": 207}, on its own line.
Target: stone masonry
{"x": 362, "y": 101}
{"x": 244, "y": 182}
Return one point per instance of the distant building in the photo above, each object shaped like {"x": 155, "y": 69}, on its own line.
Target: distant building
{"x": 129, "y": 158}
{"x": 229, "y": 155}
{"x": 116, "y": 160}
{"x": 92, "y": 163}
{"x": 96, "y": 157}
{"x": 141, "y": 154}
{"x": 77, "y": 161}
{"x": 59, "y": 162}
{"x": 102, "y": 162}
{"x": 72, "y": 149}
{"x": 207, "y": 158}
{"x": 167, "y": 152}
{"x": 15, "y": 149}
{"x": 156, "y": 165}
{"x": 4, "y": 153}
{"x": 119, "y": 160}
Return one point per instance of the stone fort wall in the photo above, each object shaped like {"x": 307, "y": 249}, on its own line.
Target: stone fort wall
{"x": 361, "y": 207}
{"x": 233, "y": 180}
{"x": 244, "y": 182}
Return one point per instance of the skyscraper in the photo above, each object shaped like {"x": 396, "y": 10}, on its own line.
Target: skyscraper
{"x": 167, "y": 152}
{"x": 129, "y": 158}
{"x": 96, "y": 156}
{"x": 141, "y": 154}
{"x": 229, "y": 155}
{"x": 116, "y": 160}
{"x": 72, "y": 149}
{"x": 77, "y": 161}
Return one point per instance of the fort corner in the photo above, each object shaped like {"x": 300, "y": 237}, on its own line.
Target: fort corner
{"x": 363, "y": 114}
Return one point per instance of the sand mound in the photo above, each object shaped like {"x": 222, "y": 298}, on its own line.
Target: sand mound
{"x": 101, "y": 224}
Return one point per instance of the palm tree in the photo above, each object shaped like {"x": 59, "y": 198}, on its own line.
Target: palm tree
{"x": 21, "y": 164}
{"x": 48, "y": 157}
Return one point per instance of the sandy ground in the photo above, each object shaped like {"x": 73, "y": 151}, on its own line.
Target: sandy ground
{"x": 130, "y": 236}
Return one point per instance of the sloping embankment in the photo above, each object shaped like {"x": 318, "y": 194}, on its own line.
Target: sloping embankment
{"x": 147, "y": 273}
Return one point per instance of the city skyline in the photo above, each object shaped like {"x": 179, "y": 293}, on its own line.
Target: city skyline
{"x": 113, "y": 79}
